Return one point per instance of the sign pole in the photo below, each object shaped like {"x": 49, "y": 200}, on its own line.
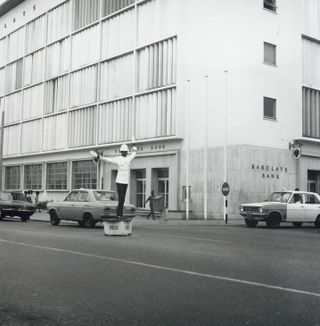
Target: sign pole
{"x": 188, "y": 149}
{"x": 225, "y": 203}
{"x": 1, "y": 147}
{"x": 205, "y": 167}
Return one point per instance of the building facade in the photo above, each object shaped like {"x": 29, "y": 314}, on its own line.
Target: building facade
{"x": 212, "y": 91}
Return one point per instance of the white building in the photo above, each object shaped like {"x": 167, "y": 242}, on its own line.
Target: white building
{"x": 186, "y": 78}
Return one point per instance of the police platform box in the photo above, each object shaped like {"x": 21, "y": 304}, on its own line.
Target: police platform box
{"x": 117, "y": 226}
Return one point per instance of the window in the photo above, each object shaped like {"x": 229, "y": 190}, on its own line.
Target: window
{"x": 269, "y": 108}
{"x": 83, "y": 196}
{"x": 163, "y": 184}
{"x": 311, "y": 112}
{"x": 72, "y": 196}
{"x": 110, "y": 6}
{"x": 270, "y": 5}
{"x": 84, "y": 175}
{"x": 57, "y": 176}
{"x": 12, "y": 178}
{"x": 311, "y": 199}
{"x": 269, "y": 53}
{"x": 84, "y": 12}
{"x": 141, "y": 187}
{"x": 33, "y": 177}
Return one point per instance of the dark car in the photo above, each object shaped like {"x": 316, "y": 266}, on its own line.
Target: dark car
{"x": 87, "y": 207}
{"x": 14, "y": 204}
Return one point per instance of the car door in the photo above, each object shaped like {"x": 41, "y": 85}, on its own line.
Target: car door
{"x": 296, "y": 211}
{"x": 67, "y": 207}
{"x": 312, "y": 204}
{"x": 82, "y": 204}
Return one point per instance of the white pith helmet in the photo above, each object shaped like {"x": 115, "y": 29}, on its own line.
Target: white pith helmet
{"x": 124, "y": 148}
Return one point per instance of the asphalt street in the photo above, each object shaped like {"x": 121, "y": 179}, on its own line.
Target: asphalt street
{"x": 174, "y": 273}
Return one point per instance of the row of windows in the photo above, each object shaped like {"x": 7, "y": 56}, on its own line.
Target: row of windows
{"x": 117, "y": 31}
{"x": 153, "y": 115}
{"x": 84, "y": 175}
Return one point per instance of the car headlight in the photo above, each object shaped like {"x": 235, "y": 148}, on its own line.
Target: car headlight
{"x": 241, "y": 209}
{"x": 261, "y": 210}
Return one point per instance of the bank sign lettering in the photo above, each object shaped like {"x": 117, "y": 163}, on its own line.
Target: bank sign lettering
{"x": 269, "y": 171}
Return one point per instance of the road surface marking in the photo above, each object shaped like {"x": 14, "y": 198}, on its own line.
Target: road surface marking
{"x": 170, "y": 269}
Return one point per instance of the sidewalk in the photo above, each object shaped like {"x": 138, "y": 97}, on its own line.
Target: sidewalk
{"x": 44, "y": 217}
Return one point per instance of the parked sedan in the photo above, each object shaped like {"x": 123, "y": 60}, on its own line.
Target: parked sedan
{"x": 87, "y": 207}
{"x": 296, "y": 207}
{"x": 15, "y": 204}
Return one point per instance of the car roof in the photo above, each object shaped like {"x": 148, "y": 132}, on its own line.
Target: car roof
{"x": 298, "y": 192}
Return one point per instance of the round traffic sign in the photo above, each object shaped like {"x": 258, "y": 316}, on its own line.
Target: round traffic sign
{"x": 225, "y": 189}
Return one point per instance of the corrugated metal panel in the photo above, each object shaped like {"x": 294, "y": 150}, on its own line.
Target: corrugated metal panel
{"x": 311, "y": 63}
{"x": 36, "y": 33}
{"x": 31, "y": 136}
{"x": 15, "y": 45}
{"x": 85, "y": 12}
{"x": 51, "y": 138}
{"x": 12, "y": 107}
{"x": 312, "y": 18}
{"x": 10, "y": 145}
{"x": 110, "y": 6}
{"x": 33, "y": 102}
{"x": 311, "y": 112}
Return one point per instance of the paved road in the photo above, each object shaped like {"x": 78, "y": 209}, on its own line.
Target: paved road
{"x": 177, "y": 273}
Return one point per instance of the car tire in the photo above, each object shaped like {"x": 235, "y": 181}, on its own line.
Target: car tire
{"x": 24, "y": 218}
{"x": 88, "y": 221}
{"x": 317, "y": 222}
{"x": 81, "y": 223}
{"x": 273, "y": 221}
{"x": 297, "y": 224}
{"x": 251, "y": 223}
{"x": 54, "y": 219}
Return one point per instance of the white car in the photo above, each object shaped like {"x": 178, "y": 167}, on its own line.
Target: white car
{"x": 296, "y": 207}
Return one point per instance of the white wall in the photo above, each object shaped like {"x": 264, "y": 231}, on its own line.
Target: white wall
{"x": 220, "y": 35}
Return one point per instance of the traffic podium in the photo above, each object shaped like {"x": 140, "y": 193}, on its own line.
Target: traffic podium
{"x": 117, "y": 226}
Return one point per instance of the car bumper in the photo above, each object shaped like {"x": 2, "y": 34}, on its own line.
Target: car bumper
{"x": 254, "y": 216}
{"x": 113, "y": 216}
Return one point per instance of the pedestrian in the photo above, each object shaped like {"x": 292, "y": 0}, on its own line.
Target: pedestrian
{"x": 36, "y": 200}
{"x": 150, "y": 199}
{"x": 122, "y": 180}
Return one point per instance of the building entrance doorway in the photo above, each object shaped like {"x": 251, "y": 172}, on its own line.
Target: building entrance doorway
{"x": 162, "y": 182}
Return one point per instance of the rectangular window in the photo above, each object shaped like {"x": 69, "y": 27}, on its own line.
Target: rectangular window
{"x": 270, "y": 5}
{"x": 51, "y": 138}
{"x": 33, "y": 177}
{"x": 110, "y": 6}
{"x": 310, "y": 112}
{"x": 12, "y": 178}
{"x": 12, "y": 107}
{"x": 84, "y": 175}
{"x": 36, "y": 33}
{"x": 269, "y": 53}
{"x": 13, "y": 76}
{"x": 269, "y": 108}
{"x": 57, "y": 176}
{"x": 85, "y": 12}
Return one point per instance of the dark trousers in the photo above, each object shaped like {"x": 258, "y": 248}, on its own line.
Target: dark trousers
{"x": 121, "y": 189}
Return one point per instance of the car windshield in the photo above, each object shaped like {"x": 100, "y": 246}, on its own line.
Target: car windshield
{"x": 18, "y": 196}
{"x": 280, "y": 197}
{"x": 104, "y": 195}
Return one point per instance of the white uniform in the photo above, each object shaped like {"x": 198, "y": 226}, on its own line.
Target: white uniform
{"x": 123, "y": 166}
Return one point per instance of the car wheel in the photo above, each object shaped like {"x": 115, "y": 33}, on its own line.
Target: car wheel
{"x": 251, "y": 223}
{"x": 317, "y": 222}
{"x": 273, "y": 221}
{"x": 297, "y": 224}
{"x": 88, "y": 221}
{"x": 54, "y": 219}
{"x": 81, "y": 223}
{"x": 24, "y": 218}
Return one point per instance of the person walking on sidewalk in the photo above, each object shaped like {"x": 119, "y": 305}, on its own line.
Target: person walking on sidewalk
{"x": 150, "y": 200}
{"x": 122, "y": 180}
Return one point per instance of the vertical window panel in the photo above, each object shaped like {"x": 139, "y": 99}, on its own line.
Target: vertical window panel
{"x": 85, "y": 12}
{"x": 2, "y": 51}
{"x": 85, "y": 47}
{"x": 11, "y": 143}
{"x": 84, "y": 175}
{"x": 311, "y": 10}
{"x": 36, "y": 33}
{"x": 59, "y": 22}
{"x": 56, "y": 95}
{"x": 115, "y": 121}
{"x": 155, "y": 114}
{"x": 311, "y": 63}
{"x": 118, "y": 34}
{"x": 51, "y": 138}
{"x": 83, "y": 86}
{"x": 15, "y": 46}
{"x": 157, "y": 65}
{"x": 13, "y": 76}
{"x": 111, "y": 6}
{"x": 269, "y": 53}
{"x": 82, "y": 127}
{"x": 152, "y": 15}
{"x": 58, "y": 58}
{"x": 34, "y": 66}
{"x": 116, "y": 78}
{"x": 12, "y": 108}
{"x": 2, "y": 81}
{"x": 31, "y": 136}
{"x": 311, "y": 112}
{"x": 33, "y": 102}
